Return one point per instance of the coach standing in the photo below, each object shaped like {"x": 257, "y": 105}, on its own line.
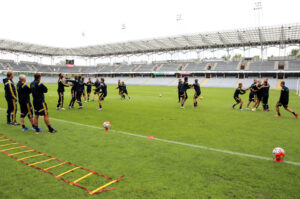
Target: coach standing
{"x": 11, "y": 98}
{"x": 38, "y": 89}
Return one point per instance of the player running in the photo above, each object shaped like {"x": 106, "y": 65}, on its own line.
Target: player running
{"x": 239, "y": 91}
{"x": 183, "y": 91}
{"x": 196, "y": 86}
{"x": 178, "y": 89}
{"x": 11, "y": 98}
{"x": 24, "y": 101}
{"x": 284, "y": 100}
{"x": 120, "y": 89}
{"x": 252, "y": 93}
{"x": 38, "y": 89}
{"x": 124, "y": 90}
{"x": 103, "y": 93}
{"x": 61, "y": 91}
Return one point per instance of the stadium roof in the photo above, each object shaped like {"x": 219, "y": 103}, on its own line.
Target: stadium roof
{"x": 259, "y": 36}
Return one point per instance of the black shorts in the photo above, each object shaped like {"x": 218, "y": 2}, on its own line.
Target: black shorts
{"x": 102, "y": 96}
{"x": 26, "y": 109}
{"x": 259, "y": 97}
{"x": 265, "y": 99}
{"x": 196, "y": 95}
{"x": 40, "y": 109}
{"x": 184, "y": 95}
{"x": 88, "y": 90}
{"x": 284, "y": 104}
{"x": 251, "y": 97}
{"x": 237, "y": 99}
{"x": 125, "y": 91}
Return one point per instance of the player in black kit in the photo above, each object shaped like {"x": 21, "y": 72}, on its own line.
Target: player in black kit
{"x": 38, "y": 89}
{"x": 124, "y": 90}
{"x": 120, "y": 89}
{"x": 284, "y": 100}
{"x": 265, "y": 94}
{"x": 252, "y": 94}
{"x": 73, "y": 91}
{"x": 24, "y": 101}
{"x": 196, "y": 86}
{"x": 89, "y": 85}
{"x": 183, "y": 91}
{"x": 178, "y": 89}
{"x": 239, "y": 91}
{"x": 11, "y": 98}
{"x": 61, "y": 91}
{"x": 103, "y": 93}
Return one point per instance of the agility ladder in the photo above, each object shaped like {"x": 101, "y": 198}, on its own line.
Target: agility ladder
{"x": 6, "y": 142}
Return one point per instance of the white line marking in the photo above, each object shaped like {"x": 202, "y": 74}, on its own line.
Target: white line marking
{"x": 178, "y": 143}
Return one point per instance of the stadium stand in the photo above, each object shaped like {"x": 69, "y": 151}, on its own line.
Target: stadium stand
{"x": 194, "y": 66}
{"x": 226, "y": 66}
{"x": 145, "y": 68}
{"x": 168, "y": 68}
{"x": 262, "y": 66}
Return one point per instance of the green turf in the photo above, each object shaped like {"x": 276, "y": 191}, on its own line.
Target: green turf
{"x": 156, "y": 169}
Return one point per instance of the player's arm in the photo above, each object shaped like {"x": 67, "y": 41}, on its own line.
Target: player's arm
{"x": 12, "y": 90}
{"x": 43, "y": 88}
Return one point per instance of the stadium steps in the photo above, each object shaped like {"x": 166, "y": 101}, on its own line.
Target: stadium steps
{"x": 237, "y": 83}
{"x": 147, "y": 81}
{"x": 278, "y": 84}
{"x": 116, "y": 68}
{"x": 127, "y": 79}
{"x": 276, "y": 65}
{"x": 247, "y": 66}
{"x": 204, "y": 82}
{"x": 238, "y": 67}
{"x": 157, "y": 67}
{"x": 136, "y": 67}
{"x": 184, "y": 67}
{"x": 172, "y": 82}
{"x": 286, "y": 65}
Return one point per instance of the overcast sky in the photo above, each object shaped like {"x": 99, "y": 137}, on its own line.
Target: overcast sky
{"x": 71, "y": 23}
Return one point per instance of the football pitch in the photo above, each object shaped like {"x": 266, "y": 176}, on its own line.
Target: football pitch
{"x": 210, "y": 151}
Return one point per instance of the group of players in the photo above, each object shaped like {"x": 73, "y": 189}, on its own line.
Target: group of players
{"x": 182, "y": 91}
{"x": 259, "y": 93}
{"x": 78, "y": 91}
{"x": 22, "y": 92}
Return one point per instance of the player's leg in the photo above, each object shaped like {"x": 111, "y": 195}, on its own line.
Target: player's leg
{"x": 62, "y": 101}
{"x": 237, "y": 101}
{"x": 290, "y": 110}
{"x": 72, "y": 97}
{"x": 277, "y": 109}
{"x": 14, "y": 113}
{"x": 59, "y": 101}
{"x": 185, "y": 96}
{"x": 78, "y": 98}
{"x": 9, "y": 110}
{"x": 195, "y": 100}
{"x": 46, "y": 118}
{"x": 100, "y": 103}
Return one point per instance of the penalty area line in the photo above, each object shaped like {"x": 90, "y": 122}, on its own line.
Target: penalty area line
{"x": 177, "y": 142}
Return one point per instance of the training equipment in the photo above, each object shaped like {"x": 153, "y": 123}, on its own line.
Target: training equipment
{"x": 279, "y": 154}
{"x": 22, "y": 149}
{"x": 106, "y": 125}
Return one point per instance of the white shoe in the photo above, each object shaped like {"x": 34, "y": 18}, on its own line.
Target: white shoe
{"x": 99, "y": 109}
{"x": 247, "y": 109}
{"x": 62, "y": 109}
{"x": 182, "y": 107}
{"x": 253, "y": 109}
{"x": 57, "y": 108}
{"x": 241, "y": 109}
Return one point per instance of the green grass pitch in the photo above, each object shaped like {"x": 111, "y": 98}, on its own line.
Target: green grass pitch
{"x": 155, "y": 169}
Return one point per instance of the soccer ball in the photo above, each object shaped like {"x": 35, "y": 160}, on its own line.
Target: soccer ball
{"x": 278, "y": 153}
{"x": 106, "y": 125}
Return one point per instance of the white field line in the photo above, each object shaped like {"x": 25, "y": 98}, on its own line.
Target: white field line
{"x": 176, "y": 142}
